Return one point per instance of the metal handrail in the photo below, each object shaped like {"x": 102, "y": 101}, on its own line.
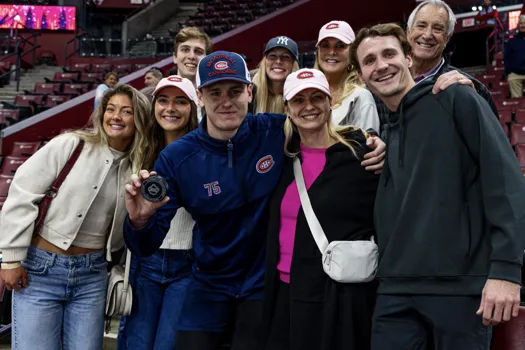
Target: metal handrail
{"x": 18, "y": 40}
{"x": 75, "y": 48}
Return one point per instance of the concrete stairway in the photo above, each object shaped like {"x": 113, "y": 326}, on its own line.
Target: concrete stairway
{"x": 27, "y": 81}
{"x": 146, "y": 48}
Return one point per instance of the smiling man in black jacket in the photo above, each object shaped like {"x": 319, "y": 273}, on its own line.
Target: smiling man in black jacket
{"x": 449, "y": 210}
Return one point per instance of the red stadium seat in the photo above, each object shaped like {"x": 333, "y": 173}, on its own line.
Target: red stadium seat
{"x": 505, "y": 116}
{"x": 44, "y": 89}
{"x": 510, "y": 335}
{"x": 504, "y": 87}
{"x": 81, "y": 67}
{"x": 520, "y": 116}
{"x": 520, "y": 153}
{"x": 101, "y": 67}
{"x": 68, "y": 77}
{"x": 141, "y": 65}
{"x": 123, "y": 69}
{"x": 75, "y": 89}
{"x": 55, "y": 100}
{"x": 11, "y": 164}
{"x": 93, "y": 78}
{"x": 508, "y": 105}
{"x": 2, "y": 201}
{"x": 5, "y": 183}
{"x": 11, "y": 115}
{"x": 29, "y": 100}
{"x": 24, "y": 149}
{"x": 517, "y": 134}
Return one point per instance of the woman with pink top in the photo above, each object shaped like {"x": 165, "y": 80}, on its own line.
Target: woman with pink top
{"x": 305, "y": 308}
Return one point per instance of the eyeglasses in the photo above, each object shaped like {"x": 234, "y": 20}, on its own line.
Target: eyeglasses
{"x": 283, "y": 58}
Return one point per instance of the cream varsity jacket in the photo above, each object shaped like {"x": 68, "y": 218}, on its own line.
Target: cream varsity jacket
{"x": 73, "y": 200}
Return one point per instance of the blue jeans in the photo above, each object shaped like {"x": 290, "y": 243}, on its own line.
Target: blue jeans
{"x": 62, "y": 306}
{"x": 159, "y": 287}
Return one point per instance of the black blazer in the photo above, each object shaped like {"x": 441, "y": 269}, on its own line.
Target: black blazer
{"x": 342, "y": 198}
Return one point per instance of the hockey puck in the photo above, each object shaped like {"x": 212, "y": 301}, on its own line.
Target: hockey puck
{"x": 154, "y": 188}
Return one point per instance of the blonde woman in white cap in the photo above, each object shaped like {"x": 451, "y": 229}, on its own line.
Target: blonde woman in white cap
{"x": 160, "y": 281}
{"x": 304, "y": 309}
{"x": 351, "y": 103}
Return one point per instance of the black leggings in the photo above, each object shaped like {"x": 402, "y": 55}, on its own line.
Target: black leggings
{"x": 246, "y": 332}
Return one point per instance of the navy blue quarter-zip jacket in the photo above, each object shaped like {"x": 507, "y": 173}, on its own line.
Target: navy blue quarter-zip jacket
{"x": 225, "y": 186}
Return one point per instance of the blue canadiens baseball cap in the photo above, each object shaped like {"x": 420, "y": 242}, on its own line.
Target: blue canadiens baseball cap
{"x": 221, "y": 66}
{"x": 284, "y": 42}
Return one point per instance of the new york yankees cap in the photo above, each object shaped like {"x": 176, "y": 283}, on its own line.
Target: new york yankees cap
{"x": 221, "y": 66}
{"x": 337, "y": 29}
{"x": 284, "y": 42}
{"x": 304, "y": 79}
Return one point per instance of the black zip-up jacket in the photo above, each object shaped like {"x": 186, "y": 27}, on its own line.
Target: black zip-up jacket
{"x": 450, "y": 207}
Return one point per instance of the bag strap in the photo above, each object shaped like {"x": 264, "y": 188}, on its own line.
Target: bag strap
{"x": 53, "y": 189}
{"x": 67, "y": 168}
{"x": 126, "y": 271}
{"x": 313, "y": 223}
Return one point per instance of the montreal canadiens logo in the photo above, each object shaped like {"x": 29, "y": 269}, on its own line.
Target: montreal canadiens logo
{"x": 175, "y": 79}
{"x": 305, "y": 75}
{"x": 221, "y": 65}
{"x": 265, "y": 164}
{"x": 332, "y": 26}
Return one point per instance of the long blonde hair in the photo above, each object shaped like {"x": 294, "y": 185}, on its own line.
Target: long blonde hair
{"x": 336, "y": 133}
{"x": 265, "y": 102}
{"x": 141, "y": 150}
{"x": 351, "y": 81}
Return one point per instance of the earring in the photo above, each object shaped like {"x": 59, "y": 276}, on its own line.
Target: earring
{"x": 349, "y": 68}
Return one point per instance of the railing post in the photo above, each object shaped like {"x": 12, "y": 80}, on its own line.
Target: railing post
{"x": 17, "y": 50}
{"x": 34, "y": 50}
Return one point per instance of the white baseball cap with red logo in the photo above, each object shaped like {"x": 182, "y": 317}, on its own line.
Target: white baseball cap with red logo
{"x": 182, "y": 83}
{"x": 337, "y": 29}
{"x": 304, "y": 79}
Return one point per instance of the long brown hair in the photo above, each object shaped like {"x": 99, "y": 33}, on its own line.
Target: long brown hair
{"x": 159, "y": 139}
{"x": 141, "y": 149}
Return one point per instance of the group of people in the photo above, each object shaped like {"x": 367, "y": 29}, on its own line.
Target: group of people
{"x": 231, "y": 255}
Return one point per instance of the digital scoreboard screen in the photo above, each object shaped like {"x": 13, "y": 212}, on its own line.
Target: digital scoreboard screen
{"x": 38, "y": 17}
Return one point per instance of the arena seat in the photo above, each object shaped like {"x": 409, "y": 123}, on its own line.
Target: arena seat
{"x": 520, "y": 153}
{"x": 75, "y": 89}
{"x": 101, "y": 67}
{"x": 44, "y": 89}
{"x": 5, "y": 183}
{"x": 24, "y": 149}
{"x": 2, "y": 201}
{"x": 505, "y": 116}
{"x": 11, "y": 164}
{"x": 91, "y": 78}
{"x": 61, "y": 78}
{"x": 510, "y": 335}
{"x": 517, "y": 134}
{"x": 520, "y": 116}
{"x": 12, "y": 115}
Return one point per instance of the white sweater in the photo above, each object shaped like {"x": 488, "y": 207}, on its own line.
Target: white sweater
{"x": 358, "y": 109}
{"x": 181, "y": 232}
{"x": 73, "y": 200}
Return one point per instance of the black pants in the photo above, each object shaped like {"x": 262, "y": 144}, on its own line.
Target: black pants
{"x": 279, "y": 336}
{"x": 414, "y": 322}
{"x": 246, "y": 331}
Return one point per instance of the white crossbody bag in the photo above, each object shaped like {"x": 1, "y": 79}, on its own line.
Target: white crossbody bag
{"x": 343, "y": 261}
{"x": 119, "y": 297}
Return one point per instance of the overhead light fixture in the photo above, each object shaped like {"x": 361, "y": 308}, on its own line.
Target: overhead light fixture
{"x": 474, "y": 8}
